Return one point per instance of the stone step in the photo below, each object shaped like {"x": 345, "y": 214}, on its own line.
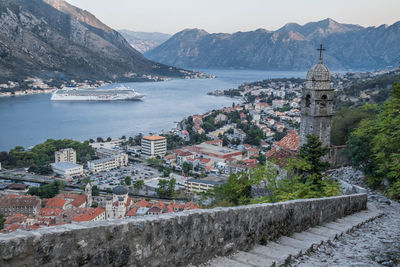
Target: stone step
{"x": 253, "y": 259}
{"x": 303, "y": 246}
{"x": 286, "y": 248}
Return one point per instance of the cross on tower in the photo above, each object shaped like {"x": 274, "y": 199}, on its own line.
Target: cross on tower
{"x": 320, "y": 49}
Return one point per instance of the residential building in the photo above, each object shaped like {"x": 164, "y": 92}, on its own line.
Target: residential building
{"x": 106, "y": 164}
{"x": 200, "y": 185}
{"x": 121, "y": 157}
{"x": 13, "y": 204}
{"x": 65, "y": 155}
{"x": 67, "y": 169}
{"x": 154, "y": 145}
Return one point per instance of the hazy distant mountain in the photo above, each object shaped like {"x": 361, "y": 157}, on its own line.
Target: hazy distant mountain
{"x": 290, "y": 48}
{"x": 144, "y": 41}
{"x": 53, "y": 39}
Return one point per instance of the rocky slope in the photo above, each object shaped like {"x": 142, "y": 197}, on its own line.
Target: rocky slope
{"x": 290, "y": 48}
{"x": 53, "y": 39}
{"x": 144, "y": 41}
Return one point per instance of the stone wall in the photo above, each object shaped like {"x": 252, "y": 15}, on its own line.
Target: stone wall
{"x": 175, "y": 239}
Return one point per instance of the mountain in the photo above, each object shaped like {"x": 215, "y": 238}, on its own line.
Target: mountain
{"x": 52, "y": 39}
{"x": 144, "y": 41}
{"x": 291, "y": 47}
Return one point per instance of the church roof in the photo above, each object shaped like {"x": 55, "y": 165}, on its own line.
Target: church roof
{"x": 120, "y": 190}
{"x": 319, "y": 72}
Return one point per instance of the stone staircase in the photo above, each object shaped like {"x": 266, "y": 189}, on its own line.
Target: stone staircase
{"x": 286, "y": 248}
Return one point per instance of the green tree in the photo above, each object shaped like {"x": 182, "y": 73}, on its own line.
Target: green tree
{"x": 166, "y": 188}
{"x": 128, "y": 180}
{"x": 109, "y": 139}
{"x": 138, "y": 184}
{"x": 95, "y": 190}
{"x": 2, "y": 220}
{"x": 347, "y": 119}
{"x": 99, "y": 140}
{"x": 46, "y": 191}
{"x": 138, "y": 139}
{"x": 310, "y": 164}
{"x": 254, "y": 136}
{"x": 375, "y": 145}
{"x": 262, "y": 159}
{"x": 187, "y": 167}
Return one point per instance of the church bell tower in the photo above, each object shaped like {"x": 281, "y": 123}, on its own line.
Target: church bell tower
{"x": 317, "y": 103}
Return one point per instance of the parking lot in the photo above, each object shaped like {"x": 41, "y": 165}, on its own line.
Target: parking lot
{"x": 137, "y": 171}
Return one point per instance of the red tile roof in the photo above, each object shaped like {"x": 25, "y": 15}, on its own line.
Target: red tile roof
{"x": 55, "y": 203}
{"x": 290, "y": 142}
{"x": 79, "y": 201}
{"x": 154, "y": 209}
{"x": 205, "y": 160}
{"x": 160, "y": 204}
{"x": 131, "y": 212}
{"x": 191, "y": 205}
{"x": 213, "y": 142}
{"x": 17, "y": 218}
{"x": 280, "y": 156}
{"x": 89, "y": 215}
{"x": 11, "y": 228}
{"x": 143, "y": 203}
{"x": 44, "y": 212}
{"x": 128, "y": 202}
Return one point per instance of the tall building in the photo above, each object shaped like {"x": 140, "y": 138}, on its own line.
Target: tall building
{"x": 317, "y": 104}
{"x": 65, "y": 155}
{"x": 154, "y": 145}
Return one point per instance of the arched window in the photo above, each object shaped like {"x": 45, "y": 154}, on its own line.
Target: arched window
{"x": 323, "y": 102}
{"x": 308, "y": 101}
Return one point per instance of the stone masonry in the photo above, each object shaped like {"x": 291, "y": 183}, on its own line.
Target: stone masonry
{"x": 174, "y": 239}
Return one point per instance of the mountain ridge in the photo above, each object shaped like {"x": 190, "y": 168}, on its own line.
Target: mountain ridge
{"x": 54, "y": 40}
{"x": 291, "y": 47}
{"x": 144, "y": 41}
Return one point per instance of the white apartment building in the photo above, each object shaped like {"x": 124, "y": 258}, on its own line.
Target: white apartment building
{"x": 108, "y": 153}
{"x": 65, "y": 155}
{"x": 109, "y": 163}
{"x": 67, "y": 169}
{"x": 154, "y": 145}
{"x": 199, "y": 185}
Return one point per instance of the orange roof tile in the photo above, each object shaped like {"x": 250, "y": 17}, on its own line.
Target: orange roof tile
{"x": 89, "y": 215}
{"x": 50, "y": 212}
{"x": 79, "y": 201}
{"x": 55, "y": 203}
{"x": 16, "y": 218}
{"x": 154, "y": 137}
{"x": 143, "y": 203}
{"x": 132, "y": 212}
{"x": 160, "y": 204}
{"x": 290, "y": 142}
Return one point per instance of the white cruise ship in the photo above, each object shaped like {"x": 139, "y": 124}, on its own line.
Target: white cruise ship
{"x": 92, "y": 94}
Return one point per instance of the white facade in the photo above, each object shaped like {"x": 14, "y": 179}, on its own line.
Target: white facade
{"x": 154, "y": 145}
{"x": 65, "y": 155}
{"x": 67, "y": 169}
{"x": 109, "y": 163}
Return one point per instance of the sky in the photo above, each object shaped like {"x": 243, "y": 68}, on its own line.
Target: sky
{"x": 171, "y": 16}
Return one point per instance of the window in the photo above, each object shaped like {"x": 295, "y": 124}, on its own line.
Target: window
{"x": 323, "y": 102}
{"x": 308, "y": 101}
